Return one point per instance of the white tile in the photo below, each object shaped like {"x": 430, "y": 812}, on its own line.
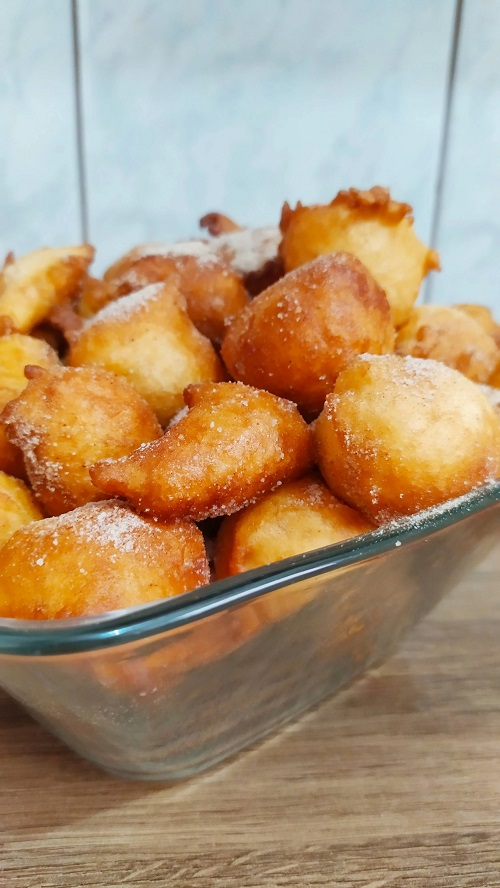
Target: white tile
{"x": 38, "y": 170}
{"x": 469, "y": 236}
{"x": 197, "y": 106}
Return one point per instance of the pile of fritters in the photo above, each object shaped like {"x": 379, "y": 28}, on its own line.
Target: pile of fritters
{"x": 262, "y": 392}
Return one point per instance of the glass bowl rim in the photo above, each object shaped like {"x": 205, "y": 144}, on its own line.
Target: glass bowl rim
{"x": 75, "y": 635}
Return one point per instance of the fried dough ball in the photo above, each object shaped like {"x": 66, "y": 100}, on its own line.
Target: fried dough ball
{"x": 449, "y": 335}
{"x": 125, "y": 264}
{"x": 213, "y": 292}
{"x": 68, "y": 418}
{"x": 252, "y": 253}
{"x": 298, "y": 517}
{"x": 99, "y": 558}
{"x": 16, "y": 351}
{"x": 399, "y": 435}
{"x": 148, "y": 338}
{"x": 17, "y": 506}
{"x": 32, "y": 286}
{"x": 296, "y": 337}
{"x": 235, "y": 444}
{"x": 376, "y": 229}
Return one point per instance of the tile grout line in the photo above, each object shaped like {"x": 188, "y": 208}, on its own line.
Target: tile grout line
{"x": 79, "y": 123}
{"x": 445, "y": 137}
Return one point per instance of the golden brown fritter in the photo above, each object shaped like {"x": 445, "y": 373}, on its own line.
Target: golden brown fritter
{"x": 235, "y": 444}
{"x": 399, "y": 435}
{"x": 371, "y": 226}
{"x": 298, "y": 517}
{"x": 16, "y": 351}
{"x": 98, "y": 558}
{"x": 68, "y": 418}
{"x": 213, "y": 292}
{"x": 148, "y": 338}
{"x": 296, "y": 337}
{"x": 33, "y": 285}
{"x": 451, "y": 336}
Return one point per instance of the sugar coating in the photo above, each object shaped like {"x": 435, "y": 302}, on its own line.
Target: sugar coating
{"x": 248, "y": 250}
{"x": 234, "y": 445}
{"x": 126, "y": 306}
{"x": 104, "y": 524}
{"x": 407, "y": 522}
{"x": 198, "y": 248}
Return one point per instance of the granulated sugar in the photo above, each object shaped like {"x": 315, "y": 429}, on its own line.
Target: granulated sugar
{"x": 248, "y": 250}
{"x": 197, "y": 248}
{"x": 126, "y": 306}
{"x": 103, "y": 524}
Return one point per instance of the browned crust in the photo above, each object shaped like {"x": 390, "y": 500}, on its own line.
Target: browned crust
{"x": 217, "y": 224}
{"x": 9, "y": 259}
{"x": 287, "y": 213}
{"x": 6, "y": 325}
{"x": 377, "y": 199}
{"x": 432, "y": 262}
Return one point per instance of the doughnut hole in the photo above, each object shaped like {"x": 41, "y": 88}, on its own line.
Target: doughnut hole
{"x": 399, "y": 435}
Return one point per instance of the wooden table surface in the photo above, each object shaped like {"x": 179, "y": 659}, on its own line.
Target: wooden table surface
{"x": 396, "y": 782}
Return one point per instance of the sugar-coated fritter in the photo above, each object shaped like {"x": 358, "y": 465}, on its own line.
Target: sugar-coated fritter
{"x": 298, "y": 517}
{"x": 148, "y": 338}
{"x": 451, "y": 336}
{"x": 33, "y": 285}
{"x": 68, "y": 418}
{"x": 98, "y": 558}
{"x": 235, "y": 444}
{"x": 252, "y": 253}
{"x": 213, "y": 292}
{"x": 123, "y": 265}
{"x": 295, "y": 337}
{"x": 399, "y": 435}
{"x": 17, "y": 506}
{"x": 372, "y": 226}
{"x": 16, "y": 351}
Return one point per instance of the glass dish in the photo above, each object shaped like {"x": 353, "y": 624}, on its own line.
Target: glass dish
{"x": 167, "y": 690}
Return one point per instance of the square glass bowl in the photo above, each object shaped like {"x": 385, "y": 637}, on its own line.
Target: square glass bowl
{"x": 167, "y": 690}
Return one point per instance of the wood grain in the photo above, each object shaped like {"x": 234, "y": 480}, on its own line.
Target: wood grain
{"x": 395, "y": 782}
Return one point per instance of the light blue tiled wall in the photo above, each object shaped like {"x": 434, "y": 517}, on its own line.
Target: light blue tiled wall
{"x": 39, "y": 199}
{"x": 469, "y": 231}
{"x": 213, "y": 104}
